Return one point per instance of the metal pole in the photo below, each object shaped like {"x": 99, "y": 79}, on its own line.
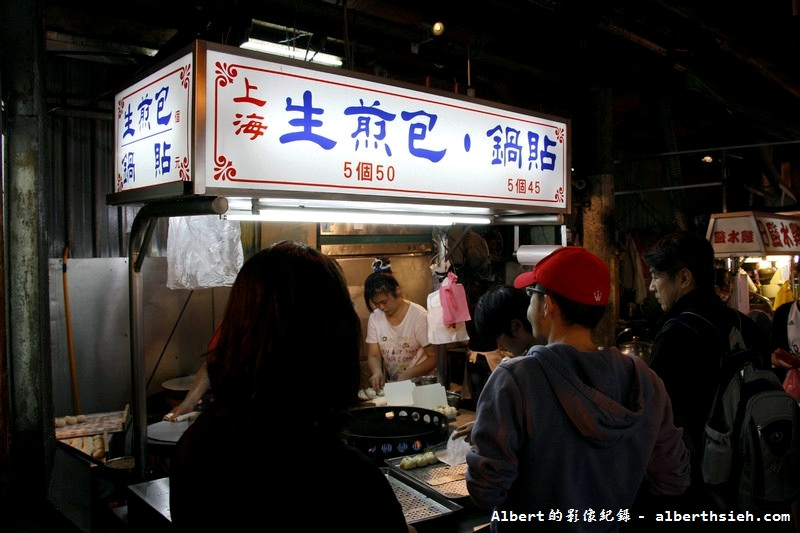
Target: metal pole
{"x": 144, "y": 224}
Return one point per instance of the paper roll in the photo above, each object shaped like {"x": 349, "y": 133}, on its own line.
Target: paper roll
{"x": 533, "y": 253}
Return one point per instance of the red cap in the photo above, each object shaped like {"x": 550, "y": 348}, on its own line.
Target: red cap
{"x": 574, "y": 273}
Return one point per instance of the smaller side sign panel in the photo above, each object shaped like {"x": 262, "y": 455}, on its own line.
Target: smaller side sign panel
{"x": 153, "y": 122}
{"x": 753, "y": 235}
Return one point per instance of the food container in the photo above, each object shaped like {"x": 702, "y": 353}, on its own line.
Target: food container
{"x": 449, "y": 481}
{"x": 637, "y": 348}
{"x": 453, "y": 398}
{"x": 394, "y": 431}
{"x": 424, "y": 380}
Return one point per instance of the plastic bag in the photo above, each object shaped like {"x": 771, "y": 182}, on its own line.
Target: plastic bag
{"x": 791, "y": 383}
{"x": 203, "y": 251}
{"x": 438, "y": 331}
{"x": 454, "y": 300}
{"x": 456, "y": 451}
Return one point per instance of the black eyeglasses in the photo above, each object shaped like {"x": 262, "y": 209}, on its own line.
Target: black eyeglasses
{"x": 531, "y": 290}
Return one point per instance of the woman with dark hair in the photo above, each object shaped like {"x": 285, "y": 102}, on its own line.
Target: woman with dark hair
{"x": 229, "y": 470}
{"x": 397, "y": 331}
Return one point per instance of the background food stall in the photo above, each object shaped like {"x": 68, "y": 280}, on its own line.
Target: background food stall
{"x": 350, "y": 164}
{"x": 760, "y": 249}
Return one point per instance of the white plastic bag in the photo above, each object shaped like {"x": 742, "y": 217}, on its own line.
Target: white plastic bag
{"x": 438, "y": 331}
{"x": 456, "y": 452}
{"x": 203, "y": 251}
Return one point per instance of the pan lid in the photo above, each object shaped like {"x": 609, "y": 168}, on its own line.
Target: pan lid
{"x": 183, "y": 383}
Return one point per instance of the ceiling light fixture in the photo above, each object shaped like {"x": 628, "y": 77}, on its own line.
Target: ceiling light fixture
{"x": 292, "y": 52}
{"x": 433, "y": 30}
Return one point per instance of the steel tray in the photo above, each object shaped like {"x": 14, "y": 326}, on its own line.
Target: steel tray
{"x": 418, "y": 501}
{"x": 449, "y": 481}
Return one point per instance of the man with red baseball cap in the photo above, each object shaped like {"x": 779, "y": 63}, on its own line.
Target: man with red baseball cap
{"x": 572, "y": 272}
{"x": 566, "y": 435}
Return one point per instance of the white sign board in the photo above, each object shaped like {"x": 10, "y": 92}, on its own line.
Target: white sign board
{"x": 267, "y": 127}
{"x": 754, "y": 234}
{"x": 153, "y": 124}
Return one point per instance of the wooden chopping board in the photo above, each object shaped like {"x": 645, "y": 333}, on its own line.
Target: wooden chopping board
{"x": 96, "y": 424}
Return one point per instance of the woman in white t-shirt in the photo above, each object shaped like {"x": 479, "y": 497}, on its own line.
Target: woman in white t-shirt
{"x": 397, "y": 331}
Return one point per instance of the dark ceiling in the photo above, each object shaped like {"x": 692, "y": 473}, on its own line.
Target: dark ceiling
{"x": 685, "y": 76}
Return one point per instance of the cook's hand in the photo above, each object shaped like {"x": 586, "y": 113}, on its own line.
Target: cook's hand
{"x": 783, "y": 359}
{"x": 377, "y": 381}
{"x": 464, "y": 431}
{"x": 180, "y": 409}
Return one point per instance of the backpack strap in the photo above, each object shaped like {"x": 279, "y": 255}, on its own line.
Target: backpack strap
{"x": 699, "y": 324}
{"x": 736, "y": 357}
{"x": 731, "y": 361}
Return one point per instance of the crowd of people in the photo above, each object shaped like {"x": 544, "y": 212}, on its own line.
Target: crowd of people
{"x": 562, "y": 424}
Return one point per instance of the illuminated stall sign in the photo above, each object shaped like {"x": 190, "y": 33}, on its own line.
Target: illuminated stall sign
{"x": 754, "y": 234}
{"x": 153, "y": 128}
{"x": 279, "y": 127}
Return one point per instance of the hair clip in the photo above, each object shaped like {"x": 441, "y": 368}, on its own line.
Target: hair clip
{"x": 381, "y": 265}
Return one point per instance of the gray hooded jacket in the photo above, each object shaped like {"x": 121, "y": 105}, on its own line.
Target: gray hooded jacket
{"x": 573, "y": 435}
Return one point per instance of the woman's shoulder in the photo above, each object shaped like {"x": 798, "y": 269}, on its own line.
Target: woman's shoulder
{"x": 416, "y": 308}
{"x": 377, "y": 315}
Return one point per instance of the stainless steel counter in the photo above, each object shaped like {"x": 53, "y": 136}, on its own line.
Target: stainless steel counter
{"x": 148, "y": 506}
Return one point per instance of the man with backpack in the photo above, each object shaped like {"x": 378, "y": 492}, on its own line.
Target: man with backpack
{"x": 701, "y": 347}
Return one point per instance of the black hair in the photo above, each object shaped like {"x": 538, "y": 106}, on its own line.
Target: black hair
{"x": 271, "y": 304}
{"x": 381, "y": 281}
{"x": 683, "y": 249}
{"x": 497, "y": 308}
{"x": 573, "y": 312}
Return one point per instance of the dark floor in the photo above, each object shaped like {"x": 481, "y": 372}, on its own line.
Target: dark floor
{"x": 45, "y": 519}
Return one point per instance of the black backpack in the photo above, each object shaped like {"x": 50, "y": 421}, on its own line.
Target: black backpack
{"x": 750, "y": 452}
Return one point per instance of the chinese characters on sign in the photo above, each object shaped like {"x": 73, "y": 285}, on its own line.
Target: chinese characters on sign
{"x": 755, "y": 235}
{"x": 279, "y": 127}
{"x": 152, "y": 129}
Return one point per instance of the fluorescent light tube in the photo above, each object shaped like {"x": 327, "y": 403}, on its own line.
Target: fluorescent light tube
{"x": 356, "y": 217}
{"x": 293, "y": 52}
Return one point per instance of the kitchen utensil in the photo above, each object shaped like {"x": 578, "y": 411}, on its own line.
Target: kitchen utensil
{"x": 637, "y": 348}
{"x": 176, "y": 389}
{"x": 394, "y": 431}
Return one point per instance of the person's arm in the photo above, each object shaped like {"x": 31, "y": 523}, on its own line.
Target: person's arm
{"x": 465, "y": 431}
{"x": 492, "y": 464}
{"x": 377, "y": 379}
{"x": 668, "y": 468}
{"x": 199, "y": 387}
{"x": 425, "y": 361}
{"x": 423, "y": 367}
